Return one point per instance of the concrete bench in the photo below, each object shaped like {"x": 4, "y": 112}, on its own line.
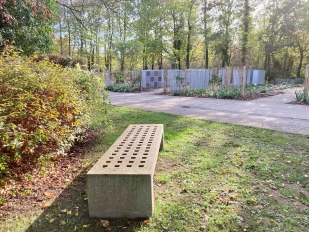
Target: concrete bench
{"x": 120, "y": 184}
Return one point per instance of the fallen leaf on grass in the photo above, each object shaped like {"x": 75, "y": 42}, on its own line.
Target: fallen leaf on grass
{"x": 297, "y": 198}
{"x": 69, "y": 212}
{"x": 259, "y": 207}
{"x": 105, "y": 223}
{"x": 234, "y": 197}
{"x": 76, "y": 214}
{"x": 223, "y": 171}
{"x": 75, "y": 228}
{"x": 86, "y": 226}
{"x": 63, "y": 210}
{"x": 49, "y": 195}
{"x": 45, "y": 206}
{"x": 63, "y": 222}
{"x": 146, "y": 221}
{"x": 206, "y": 218}
{"x": 52, "y": 220}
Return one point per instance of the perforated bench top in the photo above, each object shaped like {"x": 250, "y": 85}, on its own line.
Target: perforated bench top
{"x": 134, "y": 152}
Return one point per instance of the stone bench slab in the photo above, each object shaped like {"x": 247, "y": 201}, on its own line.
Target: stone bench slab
{"x": 120, "y": 184}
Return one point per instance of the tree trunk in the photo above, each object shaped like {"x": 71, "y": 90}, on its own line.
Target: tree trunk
{"x": 246, "y": 22}
{"x": 301, "y": 53}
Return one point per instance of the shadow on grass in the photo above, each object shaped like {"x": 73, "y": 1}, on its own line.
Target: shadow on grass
{"x": 69, "y": 212}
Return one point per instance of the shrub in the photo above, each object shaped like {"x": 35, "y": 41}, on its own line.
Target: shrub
{"x": 44, "y": 108}
{"x": 64, "y": 61}
{"x": 119, "y": 77}
{"x": 121, "y": 88}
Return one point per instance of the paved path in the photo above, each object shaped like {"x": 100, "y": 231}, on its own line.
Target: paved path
{"x": 271, "y": 113}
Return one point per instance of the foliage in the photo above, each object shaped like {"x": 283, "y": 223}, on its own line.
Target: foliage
{"x": 215, "y": 80}
{"x": 64, "y": 61}
{"x": 44, "y": 108}
{"x": 121, "y": 88}
{"x": 119, "y": 77}
{"x": 299, "y": 94}
{"x": 27, "y": 24}
{"x": 216, "y": 91}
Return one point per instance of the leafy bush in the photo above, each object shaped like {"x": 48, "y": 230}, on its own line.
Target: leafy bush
{"x": 44, "y": 108}
{"x": 121, "y": 88}
{"x": 64, "y": 61}
{"x": 119, "y": 77}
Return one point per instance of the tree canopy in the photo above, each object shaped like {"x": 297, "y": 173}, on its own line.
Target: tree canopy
{"x": 28, "y": 24}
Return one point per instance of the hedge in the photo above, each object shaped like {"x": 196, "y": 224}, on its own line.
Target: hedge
{"x": 44, "y": 108}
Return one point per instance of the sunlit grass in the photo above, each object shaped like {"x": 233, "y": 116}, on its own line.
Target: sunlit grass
{"x": 210, "y": 176}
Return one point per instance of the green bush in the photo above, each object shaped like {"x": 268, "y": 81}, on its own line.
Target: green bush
{"x": 121, "y": 88}
{"x": 44, "y": 108}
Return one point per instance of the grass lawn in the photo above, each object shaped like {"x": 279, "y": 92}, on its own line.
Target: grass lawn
{"x": 209, "y": 177}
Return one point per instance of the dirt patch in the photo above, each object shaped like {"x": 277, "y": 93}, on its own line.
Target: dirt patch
{"x": 32, "y": 190}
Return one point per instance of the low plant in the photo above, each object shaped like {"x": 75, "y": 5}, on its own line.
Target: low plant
{"x": 121, "y": 88}
{"x": 44, "y": 109}
{"x": 299, "y": 94}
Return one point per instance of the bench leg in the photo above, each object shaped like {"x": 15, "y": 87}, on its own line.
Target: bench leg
{"x": 162, "y": 143}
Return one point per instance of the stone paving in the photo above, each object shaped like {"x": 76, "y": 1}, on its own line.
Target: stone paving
{"x": 272, "y": 112}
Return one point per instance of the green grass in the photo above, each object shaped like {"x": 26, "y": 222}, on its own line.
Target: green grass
{"x": 210, "y": 176}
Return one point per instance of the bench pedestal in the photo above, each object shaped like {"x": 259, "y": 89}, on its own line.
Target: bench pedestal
{"x": 120, "y": 184}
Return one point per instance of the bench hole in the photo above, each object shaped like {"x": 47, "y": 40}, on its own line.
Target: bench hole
{"x": 117, "y": 166}
{"x": 145, "y": 154}
{"x": 129, "y": 166}
{"x": 113, "y": 153}
{"x": 142, "y": 162}
{"x": 134, "y": 153}
{"x": 105, "y": 166}
{"x": 131, "y": 162}
{"x": 108, "y": 161}
{"x": 119, "y": 162}
{"x": 116, "y": 150}
{"x": 121, "y": 158}
{"x": 146, "y": 150}
{"x": 138, "y": 148}
{"x": 147, "y": 147}
{"x": 133, "y": 158}
{"x": 140, "y": 166}
{"x": 144, "y": 158}
{"x": 124, "y": 153}
{"x": 111, "y": 158}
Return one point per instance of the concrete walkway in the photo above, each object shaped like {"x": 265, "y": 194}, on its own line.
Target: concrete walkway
{"x": 271, "y": 112}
